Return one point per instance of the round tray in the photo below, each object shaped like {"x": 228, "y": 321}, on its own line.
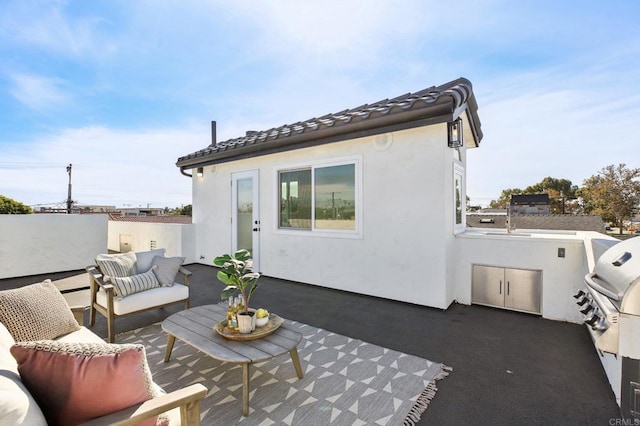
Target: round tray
{"x": 274, "y": 322}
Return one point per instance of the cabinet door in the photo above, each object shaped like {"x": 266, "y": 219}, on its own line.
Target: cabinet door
{"x": 487, "y": 285}
{"x": 523, "y": 289}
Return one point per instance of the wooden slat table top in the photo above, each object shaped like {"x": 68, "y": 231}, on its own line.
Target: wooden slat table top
{"x": 194, "y": 326}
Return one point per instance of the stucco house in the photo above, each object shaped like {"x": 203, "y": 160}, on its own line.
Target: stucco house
{"x": 368, "y": 199}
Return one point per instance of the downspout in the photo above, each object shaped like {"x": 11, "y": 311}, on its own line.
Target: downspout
{"x": 214, "y": 141}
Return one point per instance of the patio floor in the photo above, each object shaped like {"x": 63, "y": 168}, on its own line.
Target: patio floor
{"x": 508, "y": 367}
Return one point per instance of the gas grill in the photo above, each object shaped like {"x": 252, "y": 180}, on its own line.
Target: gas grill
{"x": 610, "y": 304}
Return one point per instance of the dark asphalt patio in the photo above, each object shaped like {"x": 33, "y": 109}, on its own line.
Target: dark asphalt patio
{"x": 509, "y": 368}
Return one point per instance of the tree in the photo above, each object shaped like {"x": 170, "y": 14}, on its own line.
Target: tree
{"x": 614, "y": 194}
{"x": 11, "y": 206}
{"x": 558, "y": 190}
{"x": 184, "y": 210}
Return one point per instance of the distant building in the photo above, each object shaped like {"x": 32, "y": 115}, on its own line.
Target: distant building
{"x": 140, "y": 211}
{"x": 530, "y": 204}
{"x": 150, "y": 219}
{"x": 75, "y": 209}
{"x": 91, "y": 208}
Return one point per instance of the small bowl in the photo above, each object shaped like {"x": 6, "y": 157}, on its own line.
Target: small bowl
{"x": 261, "y": 322}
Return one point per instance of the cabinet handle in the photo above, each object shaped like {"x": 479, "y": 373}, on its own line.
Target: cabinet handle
{"x": 500, "y": 286}
{"x": 508, "y": 287}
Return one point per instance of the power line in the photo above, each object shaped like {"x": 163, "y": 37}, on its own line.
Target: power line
{"x": 25, "y": 165}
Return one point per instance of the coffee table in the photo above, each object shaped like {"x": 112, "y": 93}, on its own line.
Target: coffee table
{"x": 195, "y": 327}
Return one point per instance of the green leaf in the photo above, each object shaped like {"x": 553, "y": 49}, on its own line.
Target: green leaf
{"x": 221, "y": 260}
{"x": 224, "y": 277}
{"x": 228, "y": 292}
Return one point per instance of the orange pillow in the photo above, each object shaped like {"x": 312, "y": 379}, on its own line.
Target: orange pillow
{"x": 76, "y": 382}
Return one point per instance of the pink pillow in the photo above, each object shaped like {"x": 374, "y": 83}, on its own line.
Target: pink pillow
{"x": 76, "y": 382}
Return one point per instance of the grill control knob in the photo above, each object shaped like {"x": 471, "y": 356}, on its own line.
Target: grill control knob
{"x": 587, "y": 309}
{"x": 579, "y": 294}
{"x": 600, "y": 325}
{"x": 593, "y": 319}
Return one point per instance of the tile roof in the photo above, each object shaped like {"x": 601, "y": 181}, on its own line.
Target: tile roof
{"x": 565, "y": 222}
{"x": 151, "y": 219}
{"x": 429, "y": 106}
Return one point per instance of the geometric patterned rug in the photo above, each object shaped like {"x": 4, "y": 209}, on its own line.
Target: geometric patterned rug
{"x": 346, "y": 381}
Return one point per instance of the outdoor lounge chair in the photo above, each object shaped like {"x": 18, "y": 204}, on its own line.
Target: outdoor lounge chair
{"x": 130, "y": 283}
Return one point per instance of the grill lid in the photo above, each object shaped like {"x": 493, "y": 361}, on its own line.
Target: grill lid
{"x": 617, "y": 269}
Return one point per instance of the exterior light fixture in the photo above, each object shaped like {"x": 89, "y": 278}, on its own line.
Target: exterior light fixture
{"x": 200, "y": 171}
{"x": 454, "y": 133}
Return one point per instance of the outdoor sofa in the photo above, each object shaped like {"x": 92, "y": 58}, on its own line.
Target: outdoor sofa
{"x": 54, "y": 371}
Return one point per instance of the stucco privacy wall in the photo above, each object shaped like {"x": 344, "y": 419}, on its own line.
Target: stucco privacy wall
{"x": 407, "y": 197}
{"x": 176, "y": 239}
{"x": 44, "y": 243}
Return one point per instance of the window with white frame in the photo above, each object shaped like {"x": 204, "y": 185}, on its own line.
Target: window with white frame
{"x": 458, "y": 197}
{"x": 320, "y": 197}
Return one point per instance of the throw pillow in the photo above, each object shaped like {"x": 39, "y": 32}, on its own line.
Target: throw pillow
{"x": 125, "y": 286}
{"x": 167, "y": 269}
{"x": 36, "y": 312}
{"x": 144, "y": 258}
{"x": 76, "y": 382}
{"x": 117, "y": 265}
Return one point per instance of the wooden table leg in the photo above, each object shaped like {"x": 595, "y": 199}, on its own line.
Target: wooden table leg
{"x": 296, "y": 362}
{"x": 171, "y": 339}
{"x": 245, "y": 389}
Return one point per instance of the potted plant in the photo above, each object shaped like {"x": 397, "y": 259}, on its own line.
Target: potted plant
{"x": 237, "y": 273}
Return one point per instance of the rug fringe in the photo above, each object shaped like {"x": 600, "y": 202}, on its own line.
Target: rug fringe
{"x": 422, "y": 403}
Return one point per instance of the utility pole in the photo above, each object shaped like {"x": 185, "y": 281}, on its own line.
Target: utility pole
{"x": 69, "y": 200}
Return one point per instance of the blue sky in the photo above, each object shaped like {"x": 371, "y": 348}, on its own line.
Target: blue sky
{"x": 121, "y": 89}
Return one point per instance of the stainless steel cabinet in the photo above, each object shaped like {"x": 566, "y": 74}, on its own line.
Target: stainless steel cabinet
{"x": 517, "y": 289}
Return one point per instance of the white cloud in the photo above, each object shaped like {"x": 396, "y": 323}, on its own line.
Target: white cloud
{"x": 110, "y": 167}
{"x": 47, "y": 25}
{"x": 38, "y": 93}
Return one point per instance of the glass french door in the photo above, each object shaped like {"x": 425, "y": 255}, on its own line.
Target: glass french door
{"x": 245, "y": 221}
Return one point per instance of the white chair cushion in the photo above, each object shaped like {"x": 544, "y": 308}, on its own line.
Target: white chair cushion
{"x": 17, "y": 406}
{"x": 146, "y": 299}
{"x": 83, "y": 335}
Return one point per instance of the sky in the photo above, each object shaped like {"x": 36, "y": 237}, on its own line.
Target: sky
{"x": 121, "y": 89}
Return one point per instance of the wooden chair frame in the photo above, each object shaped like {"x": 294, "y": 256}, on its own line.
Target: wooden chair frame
{"x": 188, "y": 399}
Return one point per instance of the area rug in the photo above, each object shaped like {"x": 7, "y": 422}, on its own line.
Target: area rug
{"x": 346, "y": 381}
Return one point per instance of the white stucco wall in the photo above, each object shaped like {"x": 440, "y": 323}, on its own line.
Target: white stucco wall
{"x": 44, "y": 243}
{"x": 407, "y": 219}
{"x": 176, "y": 239}
{"x": 561, "y": 277}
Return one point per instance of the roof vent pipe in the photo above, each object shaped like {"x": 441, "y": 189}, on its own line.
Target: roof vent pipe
{"x": 214, "y": 137}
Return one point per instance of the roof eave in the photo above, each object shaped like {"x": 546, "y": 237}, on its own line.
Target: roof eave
{"x": 447, "y": 107}
{"x": 426, "y": 116}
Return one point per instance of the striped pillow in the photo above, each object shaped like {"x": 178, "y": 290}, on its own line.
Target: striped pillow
{"x": 117, "y": 265}
{"x": 125, "y": 286}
